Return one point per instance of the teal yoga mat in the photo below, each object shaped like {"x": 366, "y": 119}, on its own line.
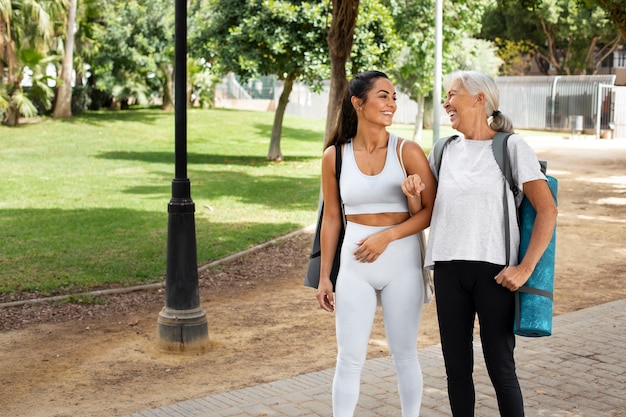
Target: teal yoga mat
{"x": 534, "y": 301}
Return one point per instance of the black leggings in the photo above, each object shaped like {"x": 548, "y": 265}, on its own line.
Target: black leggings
{"x": 462, "y": 290}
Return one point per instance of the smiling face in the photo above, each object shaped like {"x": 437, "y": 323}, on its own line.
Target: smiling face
{"x": 461, "y": 106}
{"x": 379, "y": 105}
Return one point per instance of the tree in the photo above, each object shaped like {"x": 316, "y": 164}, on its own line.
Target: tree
{"x": 570, "y": 37}
{"x": 280, "y": 37}
{"x": 340, "y": 40}
{"x": 25, "y": 28}
{"x": 287, "y": 38}
{"x": 135, "y": 56}
{"x": 63, "y": 104}
{"x": 578, "y": 38}
{"x": 615, "y": 10}
{"x": 374, "y": 44}
{"x": 415, "y": 66}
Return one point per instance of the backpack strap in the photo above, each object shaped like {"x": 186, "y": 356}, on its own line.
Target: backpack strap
{"x": 338, "y": 164}
{"x": 338, "y": 149}
{"x": 402, "y": 142}
{"x": 437, "y": 152}
{"x": 501, "y": 153}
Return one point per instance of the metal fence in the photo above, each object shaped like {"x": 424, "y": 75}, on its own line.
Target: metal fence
{"x": 612, "y": 108}
{"x": 556, "y": 102}
{"x": 589, "y": 103}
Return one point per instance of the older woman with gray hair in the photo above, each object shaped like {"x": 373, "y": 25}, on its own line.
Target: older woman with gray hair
{"x": 466, "y": 245}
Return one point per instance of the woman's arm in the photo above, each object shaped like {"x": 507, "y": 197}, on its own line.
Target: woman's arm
{"x": 540, "y": 196}
{"x": 420, "y": 188}
{"x": 412, "y": 186}
{"x": 415, "y": 163}
{"x": 331, "y": 227}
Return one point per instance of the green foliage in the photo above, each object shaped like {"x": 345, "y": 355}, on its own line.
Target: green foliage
{"x": 566, "y": 35}
{"x": 256, "y": 38}
{"x": 283, "y": 37}
{"x": 415, "y": 24}
{"x": 24, "y": 104}
{"x": 516, "y": 56}
{"x": 616, "y": 11}
{"x": 614, "y": 8}
{"x": 29, "y": 25}
{"x": 134, "y": 39}
{"x": 84, "y": 201}
{"x": 375, "y": 39}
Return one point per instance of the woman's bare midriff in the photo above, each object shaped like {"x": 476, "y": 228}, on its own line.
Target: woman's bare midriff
{"x": 378, "y": 219}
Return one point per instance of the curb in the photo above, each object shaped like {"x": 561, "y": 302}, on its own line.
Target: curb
{"x": 156, "y": 285}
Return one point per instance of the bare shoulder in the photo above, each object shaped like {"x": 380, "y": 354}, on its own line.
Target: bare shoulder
{"x": 410, "y": 146}
{"x": 329, "y": 152}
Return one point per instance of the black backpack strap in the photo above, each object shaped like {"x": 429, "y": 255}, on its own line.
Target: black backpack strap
{"x": 338, "y": 165}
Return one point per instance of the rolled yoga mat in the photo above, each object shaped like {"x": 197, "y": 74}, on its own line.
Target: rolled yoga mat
{"x": 534, "y": 300}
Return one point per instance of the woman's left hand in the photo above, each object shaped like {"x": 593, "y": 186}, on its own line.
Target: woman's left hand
{"x": 412, "y": 186}
{"x": 513, "y": 277}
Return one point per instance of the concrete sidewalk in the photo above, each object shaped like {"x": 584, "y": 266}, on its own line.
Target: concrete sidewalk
{"x": 579, "y": 371}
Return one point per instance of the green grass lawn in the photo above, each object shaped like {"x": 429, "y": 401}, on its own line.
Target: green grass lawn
{"x": 84, "y": 201}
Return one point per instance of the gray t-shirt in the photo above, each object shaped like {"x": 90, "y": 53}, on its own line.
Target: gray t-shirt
{"x": 468, "y": 215}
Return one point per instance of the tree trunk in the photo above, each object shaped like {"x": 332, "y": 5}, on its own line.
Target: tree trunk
{"x": 168, "y": 86}
{"x": 419, "y": 120}
{"x": 63, "y": 104}
{"x": 13, "y": 80}
{"x": 3, "y": 29}
{"x": 12, "y": 116}
{"x": 340, "y": 40}
{"x": 274, "y": 153}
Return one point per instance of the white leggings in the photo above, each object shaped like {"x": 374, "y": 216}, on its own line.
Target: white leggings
{"x": 397, "y": 274}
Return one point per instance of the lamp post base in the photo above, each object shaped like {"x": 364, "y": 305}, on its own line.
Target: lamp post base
{"x": 182, "y": 330}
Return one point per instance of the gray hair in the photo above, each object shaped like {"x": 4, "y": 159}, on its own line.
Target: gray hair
{"x": 475, "y": 82}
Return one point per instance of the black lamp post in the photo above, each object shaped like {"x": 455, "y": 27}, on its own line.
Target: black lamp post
{"x": 182, "y": 324}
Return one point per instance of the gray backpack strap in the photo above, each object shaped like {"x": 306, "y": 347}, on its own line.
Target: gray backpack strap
{"x": 501, "y": 153}
{"x": 437, "y": 151}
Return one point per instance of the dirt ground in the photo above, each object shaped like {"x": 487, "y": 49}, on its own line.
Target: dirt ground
{"x": 102, "y": 360}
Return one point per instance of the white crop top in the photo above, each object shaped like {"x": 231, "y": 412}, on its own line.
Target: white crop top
{"x": 371, "y": 194}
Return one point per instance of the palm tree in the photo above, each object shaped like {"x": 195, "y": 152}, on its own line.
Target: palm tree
{"x": 63, "y": 103}
{"x": 25, "y": 29}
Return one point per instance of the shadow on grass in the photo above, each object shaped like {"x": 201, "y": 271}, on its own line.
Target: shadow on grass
{"x": 150, "y": 116}
{"x": 273, "y": 192}
{"x": 67, "y": 251}
{"x": 196, "y": 158}
{"x": 102, "y": 117}
{"x": 306, "y": 135}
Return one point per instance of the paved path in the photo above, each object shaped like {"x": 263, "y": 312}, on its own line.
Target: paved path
{"x": 579, "y": 371}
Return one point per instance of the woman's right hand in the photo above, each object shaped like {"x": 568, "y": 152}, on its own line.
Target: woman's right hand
{"x": 325, "y": 295}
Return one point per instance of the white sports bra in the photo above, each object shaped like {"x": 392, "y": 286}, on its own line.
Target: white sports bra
{"x": 371, "y": 194}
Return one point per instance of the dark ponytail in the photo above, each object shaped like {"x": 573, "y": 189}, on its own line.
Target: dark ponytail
{"x": 347, "y": 121}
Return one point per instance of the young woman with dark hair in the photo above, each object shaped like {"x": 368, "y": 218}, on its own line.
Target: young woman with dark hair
{"x": 380, "y": 251}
